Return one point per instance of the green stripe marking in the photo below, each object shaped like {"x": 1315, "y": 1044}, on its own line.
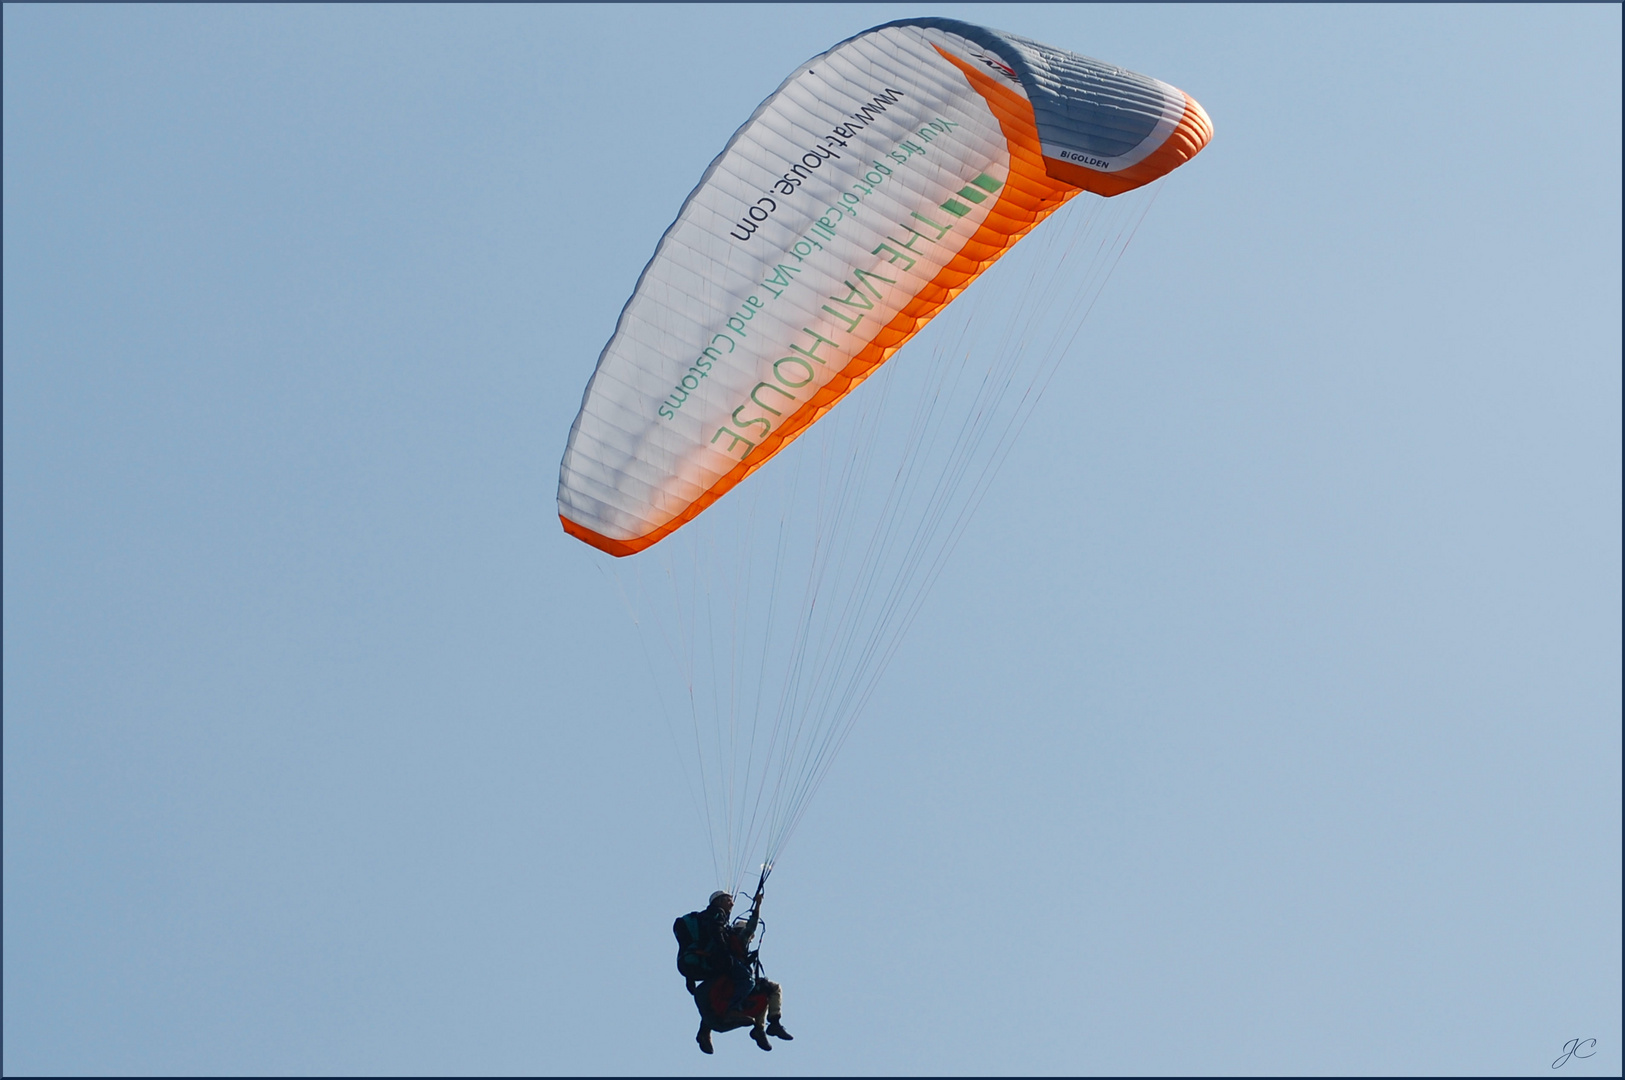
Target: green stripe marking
{"x": 987, "y": 183}
{"x": 956, "y": 208}
{"x": 972, "y": 194}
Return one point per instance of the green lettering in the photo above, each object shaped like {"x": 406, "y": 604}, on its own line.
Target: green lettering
{"x": 767, "y": 408}
{"x": 851, "y": 324}
{"x": 766, "y": 424}
{"x": 818, "y": 339}
{"x": 942, "y": 230}
{"x": 854, "y": 298}
{"x": 863, "y": 275}
{"x": 737, "y": 439}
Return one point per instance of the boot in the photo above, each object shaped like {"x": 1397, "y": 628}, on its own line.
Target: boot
{"x": 761, "y": 1038}
{"x": 776, "y": 1029}
{"x": 704, "y": 1039}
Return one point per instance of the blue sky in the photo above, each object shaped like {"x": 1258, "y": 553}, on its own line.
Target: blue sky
{"x": 1266, "y": 720}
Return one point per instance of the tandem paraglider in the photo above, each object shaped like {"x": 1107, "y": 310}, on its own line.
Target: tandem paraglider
{"x": 724, "y": 974}
{"x": 865, "y": 202}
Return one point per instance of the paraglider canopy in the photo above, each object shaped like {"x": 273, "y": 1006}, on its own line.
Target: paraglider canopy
{"x": 866, "y": 193}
